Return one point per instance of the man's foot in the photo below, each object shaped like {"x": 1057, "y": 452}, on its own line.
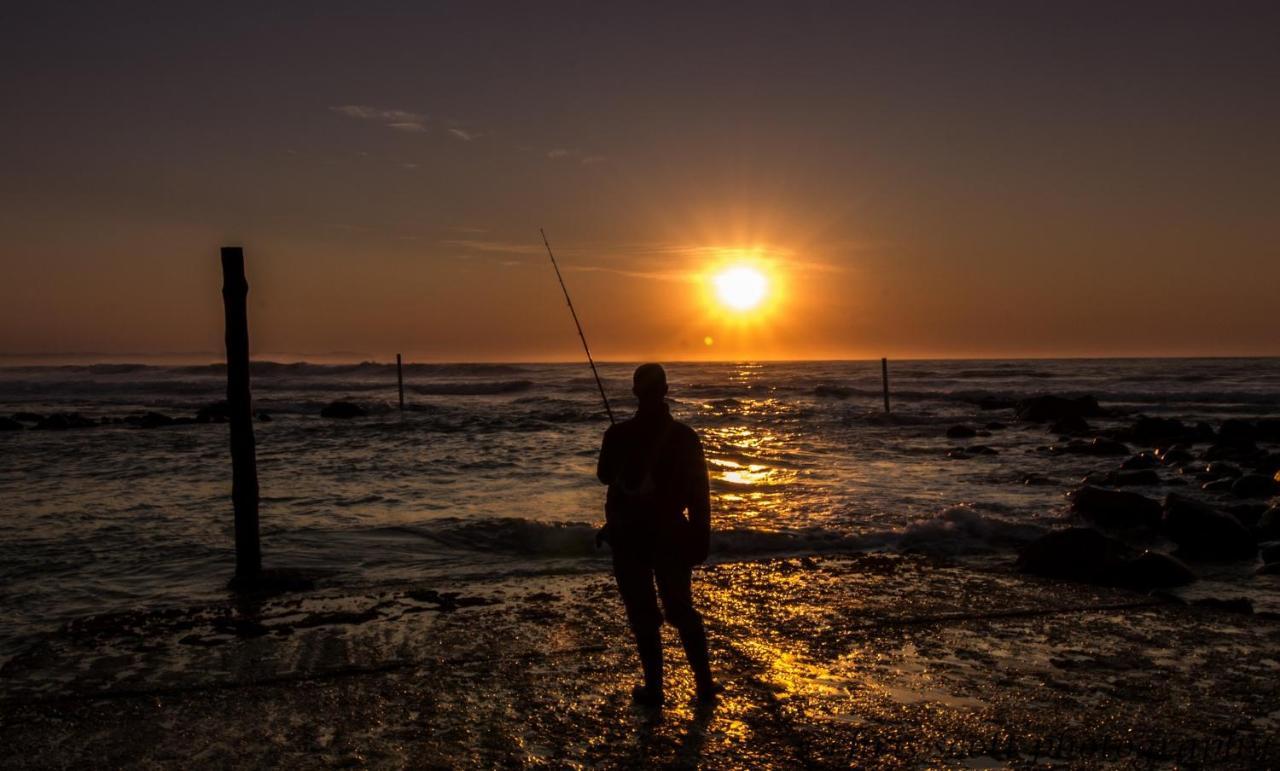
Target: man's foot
{"x": 710, "y": 693}
{"x": 646, "y": 696}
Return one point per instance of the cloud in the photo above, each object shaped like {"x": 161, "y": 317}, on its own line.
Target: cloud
{"x": 398, "y": 120}
{"x": 557, "y": 153}
{"x": 463, "y": 134}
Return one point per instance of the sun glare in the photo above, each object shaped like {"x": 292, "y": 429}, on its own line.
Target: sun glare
{"x": 741, "y": 287}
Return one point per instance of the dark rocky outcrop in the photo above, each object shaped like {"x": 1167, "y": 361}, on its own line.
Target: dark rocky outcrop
{"x": 995, "y": 426}
{"x": 1220, "y": 469}
{"x": 62, "y": 421}
{"x": 8, "y": 424}
{"x": 1268, "y": 526}
{"x": 961, "y": 432}
{"x": 989, "y": 403}
{"x": 27, "y": 417}
{"x": 1203, "y": 532}
{"x": 1253, "y": 486}
{"x": 1143, "y": 460}
{"x": 1145, "y": 477}
{"x": 1218, "y": 486}
{"x": 1176, "y": 456}
{"x": 1070, "y": 426}
{"x": 1115, "y": 509}
{"x": 1076, "y": 554}
{"x": 1086, "y": 555}
{"x": 1236, "y": 431}
{"x": 1098, "y": 446}
{"x": 342, "y": 410}
{"x": 150, "y": 420}
{"x": 1042, "y": 409}
{"x": 833, "y": 392}
{"x": 1151, "y": 570}
{"x": 217, "y": 412}
{"x": 1157, "y": 431}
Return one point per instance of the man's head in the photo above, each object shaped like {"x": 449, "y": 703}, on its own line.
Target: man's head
{"x": 649, "y": 384}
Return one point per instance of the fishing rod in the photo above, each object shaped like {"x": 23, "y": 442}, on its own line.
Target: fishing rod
{"x": 578, "y": 324}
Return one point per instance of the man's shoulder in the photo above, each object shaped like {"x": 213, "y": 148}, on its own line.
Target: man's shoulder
{"x": 684, "y": 431}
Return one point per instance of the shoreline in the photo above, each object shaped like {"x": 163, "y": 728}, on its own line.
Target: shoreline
{"x": 880, "y": 659}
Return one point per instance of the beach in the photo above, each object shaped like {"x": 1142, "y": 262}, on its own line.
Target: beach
{"x": 871, "y": 661}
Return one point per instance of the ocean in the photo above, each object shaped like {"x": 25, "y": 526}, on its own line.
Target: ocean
{"x": 490, "y": 469}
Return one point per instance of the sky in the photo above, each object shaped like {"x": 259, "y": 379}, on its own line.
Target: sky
{"x": 914, "y": 179}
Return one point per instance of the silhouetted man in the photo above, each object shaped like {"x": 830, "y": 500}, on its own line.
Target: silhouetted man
{"x": 656, "y": 472}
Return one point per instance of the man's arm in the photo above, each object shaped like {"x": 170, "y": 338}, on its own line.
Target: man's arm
{"x": 699, "y": 502}
{"x": 607, "y": 465}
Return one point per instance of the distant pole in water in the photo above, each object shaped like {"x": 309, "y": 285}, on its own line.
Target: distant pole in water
{"x": 244, "y": 463}
{"x": 400, "y": 381}
{"x": 884, "y": 376}
{"x": 576, "y": 323}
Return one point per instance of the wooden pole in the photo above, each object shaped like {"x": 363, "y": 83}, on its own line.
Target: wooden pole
{"x": 244, "y": 464}
{"x": 884, "y": 376}
{"x": 400, "y": 381}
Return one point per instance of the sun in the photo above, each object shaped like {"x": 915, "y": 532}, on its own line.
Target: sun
{"x": 740, "y": 287}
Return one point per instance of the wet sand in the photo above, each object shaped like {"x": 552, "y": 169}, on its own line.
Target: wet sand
{"x": 876, "y": 661}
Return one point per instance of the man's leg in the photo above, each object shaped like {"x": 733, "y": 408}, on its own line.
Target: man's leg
{"x": 635, "y": 584}
{"x": 675, "y": 587}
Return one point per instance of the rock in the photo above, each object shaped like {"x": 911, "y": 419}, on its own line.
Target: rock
{"x": 1042, "y": 409}
{"x": 1268, "y": 465}
{"x": 1268, "y": 429}
{"x": 834, "y": 392}
{"x": 1151, "y": 570}
{"x": 1237, "y": 431}
{"x": 1218, "y": 486}
{"x": 1176, "y": 457}
{"x": 63, "y": 421}
{"x": 1114, "y": 509}
{"x": 1036, "y": 480}
{"x": 1130, "y": 478}
{"x": 1239, "y": 452}
{"x": 1071, "y": 425}
{"x": 995, "y": 426}
{"x": 990, "y": 403}
{"x": 1269, "y": 524}
{"x": 1143, "y": 460}
{"x": 1248, "y": 514}
{"x": 1148, "y": 430}
{"x": 1239, "y": 605}
{"x": 1203, "y": 532}
{"x": 957, "y": 453}
{"x": 961, "y": 432}
{"x": 8, "y": 424}
{"x": 217, "y": 412}
{"x": 342, "y": 410}
{"x": 1098, "y": 446}
{"x": 262, "y": 417}
{"x": 27, "y": 417}
{"x": 1219, "y": 469}
{"x": 1253, "y": 486}
{"x": 982, "y": 449}
{"x": 149, "y": 420}
{"x": 1076, "y": 554}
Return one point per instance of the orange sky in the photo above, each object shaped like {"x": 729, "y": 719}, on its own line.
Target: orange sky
{"x": 919, "y": 182}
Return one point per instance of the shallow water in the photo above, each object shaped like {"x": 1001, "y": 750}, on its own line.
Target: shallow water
{"x": 491, "y": 470}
